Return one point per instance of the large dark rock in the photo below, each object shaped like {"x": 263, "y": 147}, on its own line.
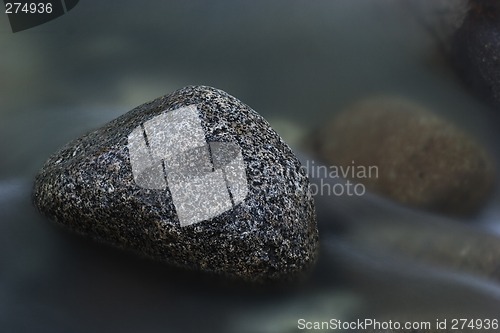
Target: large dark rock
{"x": 196, "y": 179}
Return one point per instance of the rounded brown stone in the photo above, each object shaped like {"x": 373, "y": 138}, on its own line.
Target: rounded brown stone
{"x": 421, "y": 159}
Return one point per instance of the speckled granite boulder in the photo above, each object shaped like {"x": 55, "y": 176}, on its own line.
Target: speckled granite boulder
{"x": 196, "y": 179}
{"x": 421, "y": 160}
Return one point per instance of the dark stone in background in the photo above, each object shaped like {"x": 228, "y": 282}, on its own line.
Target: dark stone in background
{"x": 476, "y": 49}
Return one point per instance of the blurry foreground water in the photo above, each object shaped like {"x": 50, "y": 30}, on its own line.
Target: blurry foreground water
{"x": 296, "y": 63}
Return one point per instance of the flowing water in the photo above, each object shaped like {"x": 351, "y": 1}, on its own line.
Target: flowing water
{"x": 294, "y": 62}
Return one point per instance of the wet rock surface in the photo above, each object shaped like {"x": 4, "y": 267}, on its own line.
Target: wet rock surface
{"x": 421, "y": 160}
{"x": 196, "y": 179}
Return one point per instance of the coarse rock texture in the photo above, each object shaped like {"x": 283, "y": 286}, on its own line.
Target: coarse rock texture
{"x": 420, "y": 159}
{"x": 268, "y": 233}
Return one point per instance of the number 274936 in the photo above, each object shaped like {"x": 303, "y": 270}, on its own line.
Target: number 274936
{"x": 28, "y": 8}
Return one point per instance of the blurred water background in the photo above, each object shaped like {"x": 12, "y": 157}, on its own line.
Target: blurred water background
{"x": 294, "y": 62}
